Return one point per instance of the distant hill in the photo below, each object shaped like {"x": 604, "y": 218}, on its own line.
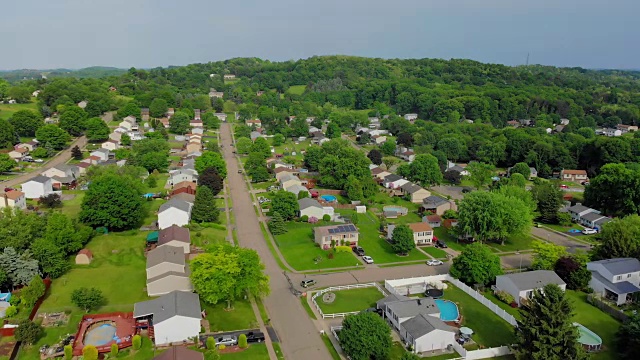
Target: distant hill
{"x": 89, "y": 72}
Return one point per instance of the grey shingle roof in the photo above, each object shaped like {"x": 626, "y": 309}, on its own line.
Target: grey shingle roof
{"x": 411, "y": 188}
{"x": 592, "y": 216}
{"x": 170, "y": 273}
{"x": 175, "y": 203}
{"x": 389, "y": 299}
{"x": 423, "y": 324}
{"x": 174, "y": 232}
{"x": 578, "y": 208}
{"x": 165, "y": 254}
{"x": 309, "y": 202}
{"x": 623, "y": 287}
{"x": 534, "y": 279}
{"x": 392, "y": 177}
{"x": 434, "y": 200}
{"x": 176, "y": 303}
{"x": 620, "y": 266}
{"x": 413, "y": 307}
{"x": 40, "y": 179}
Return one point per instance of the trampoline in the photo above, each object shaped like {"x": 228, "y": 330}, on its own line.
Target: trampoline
{"x": 101, "y": 334}
{"x": 434, "y": 293}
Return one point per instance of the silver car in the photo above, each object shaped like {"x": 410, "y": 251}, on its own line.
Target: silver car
{"x": 227, "y": 340}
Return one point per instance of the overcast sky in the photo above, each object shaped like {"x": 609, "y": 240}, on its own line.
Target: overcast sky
{"x": 148, "y": 33}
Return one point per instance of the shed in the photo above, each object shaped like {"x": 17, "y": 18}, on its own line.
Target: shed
{"x": 84, "y": 257}
{"x": 361, "y": 209}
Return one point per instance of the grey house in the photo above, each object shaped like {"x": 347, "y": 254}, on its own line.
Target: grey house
{"x": 437, "y": 205}
{"x": 175, "y": 317}
{"x": 615, "y": 279}
{"x": 521, "y": 285}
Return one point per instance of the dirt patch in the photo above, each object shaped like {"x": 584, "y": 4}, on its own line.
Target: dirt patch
{"x": 53, "y": 319}
{"x": 6, "y": 348}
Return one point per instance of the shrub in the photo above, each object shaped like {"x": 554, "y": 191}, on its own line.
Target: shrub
{"x": 222, "y": 347}
{"x": 326, "y": 217}
{"x": 505, "y": 297}
{"x": 11, "y": 311}
{"x": 242, "y": 341}
{"x": 304, "y": 218}
{"x": 564, "y": 219}
{"x": 114, "y": 350}
{"x": 211, "y": 343}
{"x": 340, "y": 249}
{"x": 136, "y": 342}
{"x": 68, "y": 352}
{"x": 90, "y": 352}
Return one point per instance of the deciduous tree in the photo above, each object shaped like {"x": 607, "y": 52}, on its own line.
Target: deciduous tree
{"x": 615, "y": 191}
{"x": 87, "y": 298}
{"x": 97, "y": 129}
{"x": 114, "y": 202}
{"x": 243, "y": 145}
{"x": 573, "y": 270}
{"x": 619, "y": 238}
{"x": 628, "y": 338}
{"x": 402, "y": 238}
{"x": 179, "y": 123}
{"x": 210, "y": 178}
{"x": 522, "y": 169}
{"x": 28, "y": 332}
{"x": 480, "y": 173}
{"x": 365, "y": 336}
{"x": 375, "y": 156}
{"x": 6, "y": 163}
{"x": 26, "y": 122}
{"x": 158, "y": 107}
{"x": 214, "y": 160}
{"x": 53, "y": 136}
{"x": 73, "y": 120}
{"x": 286, "y": 204}
{"x": 388, "y": 148}
{"x": 425, "y": 170}
{"x": 261, "y": 146}
{"x": 476, "y": 264}
{"x": 546, "y": 255}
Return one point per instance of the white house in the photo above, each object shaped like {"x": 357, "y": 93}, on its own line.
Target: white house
{"x": 128, "y": 123}
{"x": 594, "y": 220}
{"x": 578, "y": 210}
{"x": 289, "y": 180}
{"x": 111, "y": 144}
{"x": 521, "y": 285}
{"x": 312, "y": 208}
{"x": 394, "y": 181}
{"x": 410, "y": 117}
{"x": 37, "y": 187}
{"x": 174, "y": 212}
{"x": 178, "y": 176}
{"x": 103, "y": 154}
{"x": 422, "y": 233}
{"x": 615, "y": 279}
{"x": 175, "y": 317}
{"x": 13, "y": 199}
{"x": 611, "y": 132}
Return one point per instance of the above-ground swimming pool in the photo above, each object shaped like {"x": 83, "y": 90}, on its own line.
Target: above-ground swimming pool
{"x": 328, "y": 198}
{"x": 448, "y": 310}
{"x": 400, "y": 210}
{"x": 100, "y": 335}
{"x": 590, "y": 340}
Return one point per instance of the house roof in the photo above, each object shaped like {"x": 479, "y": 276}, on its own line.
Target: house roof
{"x": 174, "y": 232}
{"x": 86, "y": 252}
{"x": 281, "y": 169}
{"x": 413, "y": 307}
{"x": 579, "y": 208}
{"x": 296, "y": 189}
{"x": 184, "y": 197}
{"x": 574, "y": 172}
{"x": 102, "y": 150}
{"x": 622, "y": 287}
{"x": 40, "y": 179}
{"x": 14, "y": 194}
{"x": 185, "y": 274}
{"x": 389, "y": 299}
{"x": 423, "y": 324}
{"x": 335, "y": 229}
{"x": 434, "y": 200}
{"x": 63, "y": 179}
{"x": 534, "y": 279}
{"x": 177, "y": 204}
{"x": 180, "y": 353}
{"x": 309, "y": 202}
{"x": 185, "y": 184}
{"x": 592, "y": 216}
{"x": 619, "y": 266}
{"x": 420, "y": 227}
{"x": 165, "y": 254}
{"x": 433, "y": 218}
{"x": 392, "y": 178}
{"x": 457, "y": 168}
{"x": 176, "y": 303}
{"x": 288, "y": 177}
{"x": 411, "y": 188}
{"x": 21, "y": 150}
{"x": 377, "y": 170}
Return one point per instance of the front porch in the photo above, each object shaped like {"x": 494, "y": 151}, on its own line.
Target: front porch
{"x": 620, "y": 299}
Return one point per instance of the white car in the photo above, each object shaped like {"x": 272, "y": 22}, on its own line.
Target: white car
{"x": 434, "y": 262}
{"x": 367, "y": 259}
{"x": 588, "y": 231}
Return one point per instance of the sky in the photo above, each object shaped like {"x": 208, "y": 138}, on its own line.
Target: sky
{"x": 45, "y": 34}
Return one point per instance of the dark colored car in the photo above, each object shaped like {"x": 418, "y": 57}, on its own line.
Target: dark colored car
{"x": 358, "y": 250}
{"x": 255, "y": 337}
{"x": 441, "y": 244}
{"x": 307, "y": 283}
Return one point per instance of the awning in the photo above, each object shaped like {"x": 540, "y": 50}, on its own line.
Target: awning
{"x": 152, "y": 237}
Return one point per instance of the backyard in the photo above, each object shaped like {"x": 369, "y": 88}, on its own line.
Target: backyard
{"x": 240, "y": 317}
{"x": 351, "y": 300}
{"x": 7, "y": 110}
{"x": 597, "y": 321}
{"x": 302, "y": 253}
{"x": 514, "y": 243}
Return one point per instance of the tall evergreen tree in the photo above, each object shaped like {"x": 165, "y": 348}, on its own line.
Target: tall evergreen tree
{"x": 204, "y": 208}
{"x": 76, "y": 153}
{"x": 276, "y": 224}
{"x": 545, "y": 330}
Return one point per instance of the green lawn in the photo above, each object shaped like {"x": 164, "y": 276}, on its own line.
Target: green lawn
{"x": 7, "y": 110}
{"x": 307, "y": 308}
{"x": 597, "y": 321}
{"x": 241, "y": 316}
{"x": 296, "y": 89}
{"x": 71, "y": 207}
{"x": 515, "y": 312}
{"x": 300, "y": 251}
{"x": 435, "y": 252}
{"x": 351, "y": 300}
{"x": 209, "y": 235}
{"x": 515, "y": 243}
{"x": 254, "y": 351}
{"x": 489, "y": 329}
{"x": 375, "y": 246}
{"x": 329, "y": 345}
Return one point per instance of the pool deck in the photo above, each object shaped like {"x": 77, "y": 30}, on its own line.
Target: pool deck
{"x": 125, "y": 327}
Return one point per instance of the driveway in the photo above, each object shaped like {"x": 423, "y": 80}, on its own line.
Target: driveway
{"x": 558, "y": 239}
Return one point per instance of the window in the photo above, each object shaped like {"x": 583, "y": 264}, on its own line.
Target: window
{"x": 628, "y": 276}
{"x": 619, "y": 277}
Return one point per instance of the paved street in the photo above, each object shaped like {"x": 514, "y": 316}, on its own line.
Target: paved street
{"x": 559, "y": 239}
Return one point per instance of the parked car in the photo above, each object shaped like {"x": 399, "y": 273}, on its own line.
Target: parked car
{"x": 585, "y": 183}
{"x": 239, "y": 171}
{"x": 367, "y": 259}
{"x": 358, "y": 250}
{"x": 38, "y": 161}
{"x": 441, "y": 244}
{"x": 589, "y": 231}
{"x": 563, "y": 186}
{"x": 434, "y": 262}
{"x": 227, "y": 340}
{"x": 307, "y": 283}
{"x": 255, "y": 337}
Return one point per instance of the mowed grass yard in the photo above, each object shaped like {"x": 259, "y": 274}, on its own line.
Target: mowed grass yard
{"x": 597, "y": 321}
{"x": 296, "y": 89}
{"x": 489, "y": 329}
{"x": 239, "y": 317}
{"x": 375, "y": 246}
{"x": 351, "y": 300}
{"x": 300, "y": 251}
{"x": 7, "y": 110}
{"x": 254, "y": 351}
{"x": 515, "y": 243}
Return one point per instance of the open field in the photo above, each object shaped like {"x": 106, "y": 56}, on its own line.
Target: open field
{"x": 296, "y": 89}
{"x": 7, "y": 110}
{"x": 351, "y": 300}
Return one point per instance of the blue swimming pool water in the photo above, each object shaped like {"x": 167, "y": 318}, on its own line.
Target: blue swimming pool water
{"x": 448, "y": 310}
{"x": 101, "y": 335}
{"x": 329, "y": 198}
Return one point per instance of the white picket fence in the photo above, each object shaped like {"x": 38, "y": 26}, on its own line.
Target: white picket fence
{"x": 338, "y": 288}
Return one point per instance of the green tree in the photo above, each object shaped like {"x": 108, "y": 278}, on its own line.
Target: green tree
{"x": 277, "y": 140}
{"x": 228, "y": 273}
{"x": 260, "y": 145}
{"x": 6, "y": 163}
{"x": 353, "y": 187}
{"x": 210, "y": 178}
{"x": 546, "y": 255}
{"x": 616, "y": 190}
{"x": 402, "y": 239}
{"x": 33, "y": 292}
{"x": 453, "y": 148}
{"x": 97, "y": 129}
{"x": 517, "y": 180}
{"x": 125, "y": 140}
{"x": 390, "y": 161}
{"x": 243, "y": 145}
{"x": 136, "y": 342}
{"x": 425, "y": 170}
{"x": 210, "y": 121}
{"x": 87, "y": 298}
{"x": 545, "y": 329}
{"x": 549, "y": 199}
{"x": 7, "y": 134}
{"x": 28, "y": 332}
{"x": 480, "y": 173}
{"x": 277, "y": 225}
{"x": 26, "y": 122}
{"x": 179, "y": 123}
{"x": 388, "y": 148}
{"x": 68, "y": 352}
{"x": 286, "y": 204}
{"x": 114, "y": 202}
{"x": 76, "y": 153}
{"x": 129, "y": 109}
{"x": 242, "y": 341}
{"x": 51, "y": 258}
{"x": 628, "y": 338}
{"x": 573, "y": 270}
{"x": 476, "y": 264}
{"x": 20, "y": 268}
{"x": 453, "y": 177}
{"x": 158, "y": 107}
{"x": 619, "y": 238}
{"x": 21, "y": 94}
{"x": 214, "y": 160}
{"x": 333, "y": 130}
{"x": 73, "y": 120}
{"x": 522, "y": 169}
{"x": 204, "y": 207}
{"x": 365, "y": 336}
{"x": 62, "y": 232}
{"x": 375, "y": 156}
{"x": 53, "y": 136}
{"x": 89, "y": 352}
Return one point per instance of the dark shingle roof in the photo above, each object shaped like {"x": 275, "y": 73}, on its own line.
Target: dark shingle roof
{"x": 413, "y": 307}
{"x": 423, "y": 324}
{"x": 434, "y": 200}
{"x": 175, "y": 203}
{"x": 534, "y": 279}
{"x": 578, "y": 208}
{"x": 411, "y": 188}
{"x": 176, "y": 303}
{"x": 592, "y": 216}
{"x": 392, "y": 177}
{"x": 40, "y": 179}
{"x": 619, "y": 266}
{"x": 308, "y": 202}
{"x": 174, "y": 232}
{"x": 165, "y": 254}
{"x": 622, "y": 287}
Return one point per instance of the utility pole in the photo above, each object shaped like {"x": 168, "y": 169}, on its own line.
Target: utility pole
{"x": 527, "y": 59}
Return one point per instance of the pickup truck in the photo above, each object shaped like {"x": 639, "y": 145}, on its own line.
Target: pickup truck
{"x": 255, "y": 337}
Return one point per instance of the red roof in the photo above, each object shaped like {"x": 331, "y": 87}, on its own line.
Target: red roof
{"x": 575, "y": 172}
{"x": 86, "y": 252}
{"x": 434, "y": 218}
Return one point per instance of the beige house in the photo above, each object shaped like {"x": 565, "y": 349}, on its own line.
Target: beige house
{"x": 193, "y": 147}
{"x": 574, "y": 175}
{"x": 111, "y": 144}
{"x": 18, "y": 153}
{"x": 414, "y": 192}
{"x": 422, "y": 233}
{"x": 379, "y": 173}
{"x": 84, "y": 257}
{"x": 13, "y": 199}
{"x": 281, "y": 172}
{"x": 175, "y": 236}
{"x": 165, "y": 259}
{"x": 437, "y": 205}
{"x": 340, "y": 234}
{"x": 289, "y": 180}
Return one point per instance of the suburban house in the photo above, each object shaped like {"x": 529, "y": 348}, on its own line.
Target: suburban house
{"x": 422, "y": 233}
{"x": 433, "y": 220}
{"x": 378, "y": 139}
{"x": 18, "y": 154}
{"x": 410, "y": 117}
{"x": 37, "y": 187}
{"x": 216, "y": 94}
{"x": 180, "y": 353}
{"x": 229, "y": 77}
{"x": 282, "y": 172}
{"x": 102, "y": 154}
{"x": 615, "y": 279}
{"x": 13, "y": 199}
{"x": 129, "y": 123}
{"x": 626, "y": 128}
{"x": 195, "y": 123}
{"x": 254, "y": 135}
{"x": 407, "y": 155}
{"x": 460, "y": 169}
{"x": 393, "y": 181}
{"x": 82, "y": 167}
{"x": 437, "y": 205}
{"x": 578, "y": 210}
{"x": 379, "y": 174}
{"x": 289, "y": 180}
{"x": 296, "y": 189}
{"x": 168, "y": 282}
{"x": 190, "y": 198}
{"x": 221, "y": 116}
{"x": 418, "y": 323}
{"x": 174, "y": 212}
{"x": 62, "y": 171}
{"x": 414, "y": 192}
{"x": 31, "y": 145}
{"x": 257, "y": 123}
{"x": 312, "y": 208}
{"x": 167, "y": 271}
{"x": 180, "y": 175}
{"x": 193, "y": 146}
{"x": 111, "y": 144}
{"x": 594, "y": 220}
{"x": 574, "y": 175}
{"x": 175, "y": 236}
{"x": 174, "y": 317}
{"x": 521, "y": 285}
{"x": 339, "y": 234}
{"x": 611, "y": 132}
